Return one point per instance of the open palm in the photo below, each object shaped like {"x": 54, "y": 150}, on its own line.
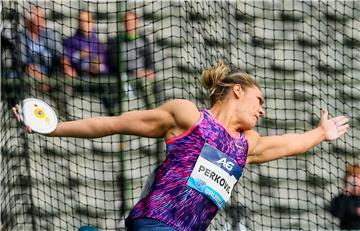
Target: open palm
{"x": 334, "y": 127}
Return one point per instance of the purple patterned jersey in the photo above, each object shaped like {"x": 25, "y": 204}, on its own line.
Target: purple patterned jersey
{"x": 170, "y": 198}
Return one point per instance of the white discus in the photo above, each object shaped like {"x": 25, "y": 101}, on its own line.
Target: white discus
{"x": 38, "y": 115}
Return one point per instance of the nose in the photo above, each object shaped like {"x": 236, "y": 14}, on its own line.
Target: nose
{"x": 262, "y": 112}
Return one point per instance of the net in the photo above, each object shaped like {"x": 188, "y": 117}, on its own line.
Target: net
{"x": 305, "y": 55}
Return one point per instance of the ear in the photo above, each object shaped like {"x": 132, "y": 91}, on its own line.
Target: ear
{"x": 238, "y": 91}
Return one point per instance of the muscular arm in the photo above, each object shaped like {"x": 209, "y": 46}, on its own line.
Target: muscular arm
{"x": 143, "y": 123}
{"x": 264, "y": 149}
{"x": 176, "y": 114}
{"x": 274, "y": 147}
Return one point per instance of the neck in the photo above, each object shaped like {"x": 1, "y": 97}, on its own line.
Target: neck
{"x": 222, "y": 112}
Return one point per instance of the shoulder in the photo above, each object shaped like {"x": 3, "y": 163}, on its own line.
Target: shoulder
{"x": 180, "y": 105}
{"x": 183, "y": 111}
{"x": 181, "y": 102}
{"x": 252, "y": 135}
{"x": 253, "y": 139}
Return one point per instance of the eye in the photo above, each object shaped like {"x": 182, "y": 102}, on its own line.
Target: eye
{"x": 261, "y": 101}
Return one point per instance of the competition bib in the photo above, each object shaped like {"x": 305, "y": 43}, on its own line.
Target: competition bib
{"x": 214, "y": 175}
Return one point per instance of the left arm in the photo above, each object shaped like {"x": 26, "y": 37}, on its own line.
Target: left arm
{"x": 268, "y": 148}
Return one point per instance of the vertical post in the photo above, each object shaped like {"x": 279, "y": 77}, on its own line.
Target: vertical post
{"x": 23, "y": 139}
{"x": 122, "y": 177}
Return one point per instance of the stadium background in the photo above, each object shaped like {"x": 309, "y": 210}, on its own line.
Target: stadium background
{"x": 305, "y": 54}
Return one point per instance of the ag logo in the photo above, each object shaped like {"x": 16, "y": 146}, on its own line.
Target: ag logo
{"x": 228, "y": 165}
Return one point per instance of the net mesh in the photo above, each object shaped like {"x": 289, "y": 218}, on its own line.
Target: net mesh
{"x": 305, "y": 55}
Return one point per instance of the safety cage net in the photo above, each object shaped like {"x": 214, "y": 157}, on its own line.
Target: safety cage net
{"x": 304, "y": 54}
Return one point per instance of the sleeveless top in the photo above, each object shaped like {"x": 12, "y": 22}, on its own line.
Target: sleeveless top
{"x": 170, "y": 198}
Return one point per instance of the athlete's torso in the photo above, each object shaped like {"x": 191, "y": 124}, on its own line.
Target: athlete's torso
{"x": 170, "y": 198}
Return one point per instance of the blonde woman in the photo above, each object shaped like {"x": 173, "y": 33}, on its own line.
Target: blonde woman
{"x": 207, "y": 150}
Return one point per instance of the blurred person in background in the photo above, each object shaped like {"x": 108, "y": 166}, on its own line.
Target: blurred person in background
{"x": 41, "y": 51}
{"x": 86, "y": 56}
{"x": 346, "y": 206}
{"x": 133, "y": 52}
{"x": 40, "y": 46}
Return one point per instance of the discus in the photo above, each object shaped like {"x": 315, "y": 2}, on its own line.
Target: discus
{"x": 38, "y": 115}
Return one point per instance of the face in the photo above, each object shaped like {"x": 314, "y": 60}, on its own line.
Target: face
{"x": 353, "y": 185}
{"x": 37, "y": 18}
{"x": 86, "y": 22}
{"x": 250, "y": 107}
{"x": 131, "y": 21}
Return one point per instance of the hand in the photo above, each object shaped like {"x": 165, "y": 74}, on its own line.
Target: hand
{"x": 15, "y": 111}
{"x": 149, "y": 74}
{"x": 334, "y": 127}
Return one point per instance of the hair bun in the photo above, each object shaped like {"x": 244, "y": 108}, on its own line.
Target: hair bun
{"x": 213, "y": 76}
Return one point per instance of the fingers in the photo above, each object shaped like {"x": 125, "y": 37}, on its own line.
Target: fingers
{"x": 341, "y": 133}
{"x": 325, "y": 114}
{"x": 343, "y": 128}
{"x": 340, "y": 120}
{"x": 15, "y": 111}
{"x": 28, "y": 129}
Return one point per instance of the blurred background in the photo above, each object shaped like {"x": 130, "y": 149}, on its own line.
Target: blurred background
{"x": 305, "y": 55}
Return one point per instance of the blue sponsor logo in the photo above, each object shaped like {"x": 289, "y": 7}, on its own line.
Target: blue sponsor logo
{"x": 218, "y": 158}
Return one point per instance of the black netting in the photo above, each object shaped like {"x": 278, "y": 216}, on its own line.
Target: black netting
{"x": 305, "y": 55}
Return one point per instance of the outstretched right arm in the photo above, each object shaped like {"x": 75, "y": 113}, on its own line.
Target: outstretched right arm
{"x": 156, "y": 123}
{"x": 151, "y": 123}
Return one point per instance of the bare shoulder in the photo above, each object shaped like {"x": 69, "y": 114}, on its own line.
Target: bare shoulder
{"x": 183, "y": 111}
{"x": 253, "y": 138}
{"x": 181, "y": 102}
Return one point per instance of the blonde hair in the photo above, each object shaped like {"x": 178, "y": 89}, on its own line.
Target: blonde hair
{"x": 219, "y": 79}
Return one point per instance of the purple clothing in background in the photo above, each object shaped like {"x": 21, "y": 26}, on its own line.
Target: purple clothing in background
{"x": 83, "y": 50}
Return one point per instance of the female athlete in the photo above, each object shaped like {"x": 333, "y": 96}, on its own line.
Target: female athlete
{"x": 206, "y": 150}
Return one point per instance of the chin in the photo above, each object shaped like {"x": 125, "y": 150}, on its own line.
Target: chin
{"x": 248, "y": 126}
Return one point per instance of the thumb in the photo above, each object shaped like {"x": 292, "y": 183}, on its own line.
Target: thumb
{"x": 324, "y": 115}
{"x": 15, "y": 112}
